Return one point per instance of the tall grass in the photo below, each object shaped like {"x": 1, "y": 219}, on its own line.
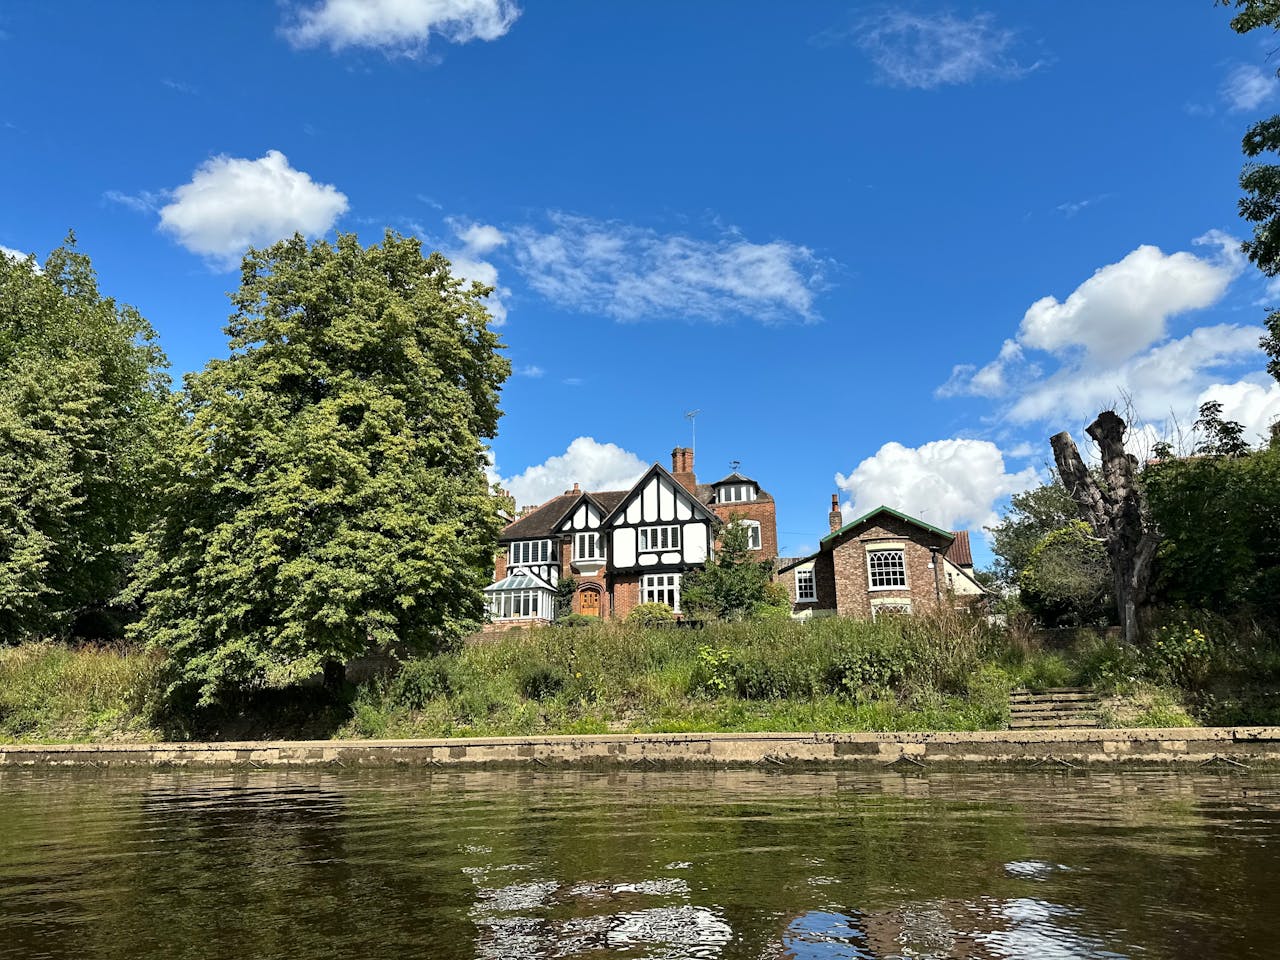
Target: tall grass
{"x": 52, "y": 693}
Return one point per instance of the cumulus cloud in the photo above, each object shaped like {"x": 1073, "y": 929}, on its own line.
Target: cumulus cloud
{"x": 953, "y": 484}
{"x": 1247, "y": 88}
{"x": 1125, "y": 306}
{"x": 1255, "y": 405}
{"x": 233, "y": 203}
{"x": 923, "y": 51}
{"x": 401, "y": 27}
{"x": 635, "y": 273}
{"x": 1108, "y": 336}
{"x": 12, "y": 254}
{"x": 470, "y": 263}
{"x": 593, "y": 465}
{"x": 1157, "y": 383}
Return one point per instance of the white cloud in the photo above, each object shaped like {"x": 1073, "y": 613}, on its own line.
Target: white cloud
{"x": 953, "y": 484}
{"x": 12, "y": 254}
{"x": 921, "y": 51}
{"x": 593, "y": 465}
{"x": 1256, "y": 405}
{"x": 399, "y": 26}
{"x": 1099, "y": 332}
{"x": 232, "y": 204}
{"x": 469, "y": 263}
{"x": 1161, "y": 382}
{"x": 633, "y": 273}
{"x": 1125, "y": 306}
{"x": 529, "y": 370}
{"x": 1247, "y": 88}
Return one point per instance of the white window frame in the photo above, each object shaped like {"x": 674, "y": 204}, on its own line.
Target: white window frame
{"x": 899, "y": 608}
{"x": 595, "y": 537}
{"x": 811, "y": 594}
{"x": 661, "y": 588}
{"x": 882, "y": 570}
{"x": 530, "y": 603}
{"x": 736, "y": 493}
{"x": 651, "y": 539}
{"x": 522, "y": 553}
{"x": 753, "y": 534}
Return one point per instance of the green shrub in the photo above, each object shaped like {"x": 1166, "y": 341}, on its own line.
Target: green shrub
{"x": 713, "y": 672}
{"x": 862, "y": 672}
{"x": 541, "y": 681}
{"x": 651, "y": 615}
{"x": 1182, "y": 653}
{"x": 421, "y": 681}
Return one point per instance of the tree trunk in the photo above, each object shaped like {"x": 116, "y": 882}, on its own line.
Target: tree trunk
{"x": 1116, "y": 510}
{"x": 335, "y": 675}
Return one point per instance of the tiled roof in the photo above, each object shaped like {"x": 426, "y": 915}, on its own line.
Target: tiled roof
{"x": 733, "y": 478}
{"x": 783, "y": 564}
{"x": 959, "y": 552}
{"x": 542, "y": 522}
{"x": 519, "y": 580}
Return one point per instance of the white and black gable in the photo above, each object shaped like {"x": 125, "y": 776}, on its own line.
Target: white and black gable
{"x": 659, "y": 526}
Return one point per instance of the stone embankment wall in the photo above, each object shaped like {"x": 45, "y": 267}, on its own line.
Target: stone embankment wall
{"x": 1243, "y": 746}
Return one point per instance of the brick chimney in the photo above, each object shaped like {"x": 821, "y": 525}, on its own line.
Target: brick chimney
{"x": 682, "y": 468}
{"x": 835, "y": 518}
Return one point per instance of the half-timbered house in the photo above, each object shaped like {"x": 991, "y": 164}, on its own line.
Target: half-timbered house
{"x": 623, "y": 547}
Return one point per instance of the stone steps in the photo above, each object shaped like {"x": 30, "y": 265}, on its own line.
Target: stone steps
{"x": 1056, "y": 708}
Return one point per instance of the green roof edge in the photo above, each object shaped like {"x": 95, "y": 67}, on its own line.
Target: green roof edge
{"x": 897, "y": 513}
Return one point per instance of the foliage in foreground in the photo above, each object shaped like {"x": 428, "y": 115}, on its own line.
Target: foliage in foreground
{"x": 331, "y": 490}
{"x": 85, "y": 423}
{"x": 895, "y": 674}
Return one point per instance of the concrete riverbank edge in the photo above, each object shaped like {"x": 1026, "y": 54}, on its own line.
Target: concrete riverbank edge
{"x": 1181, "y": 746}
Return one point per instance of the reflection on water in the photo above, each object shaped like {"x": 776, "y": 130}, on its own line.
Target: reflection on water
{"x": 672, "y": 865}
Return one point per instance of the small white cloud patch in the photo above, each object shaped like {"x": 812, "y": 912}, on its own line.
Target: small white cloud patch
{"x": 469, "y": 263}
{"x": 594, "y": 465}
{"x": 232, "y": 204}
{"x": 399, "y": 26}
{"x": 1248, "y": 88}
{"x": 953, "y": 484}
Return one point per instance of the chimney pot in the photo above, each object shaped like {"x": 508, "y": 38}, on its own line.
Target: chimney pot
{"x": 835, "y": 519}
{"x": 575, "y": 487}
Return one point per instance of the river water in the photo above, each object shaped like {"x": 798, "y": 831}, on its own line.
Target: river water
{"x": 689, "y": 864}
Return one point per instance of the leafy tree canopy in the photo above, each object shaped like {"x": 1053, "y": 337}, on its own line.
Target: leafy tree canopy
{"x": 733, "y": 585}
{"x": 1067, "y": 579}
{"x": 1260, "y": 181}
{"x": 1032, "y": 515}
{"x": 85, "y": 423}
{"x": 332, "y": 490}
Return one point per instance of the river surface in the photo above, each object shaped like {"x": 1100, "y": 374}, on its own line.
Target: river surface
{"x": 697, "y": 864}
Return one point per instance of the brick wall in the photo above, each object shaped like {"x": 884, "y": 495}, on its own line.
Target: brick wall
{"x": 626, "y": 594}
{"x": 763, "y": 510}
{"x": 849, "y": 558}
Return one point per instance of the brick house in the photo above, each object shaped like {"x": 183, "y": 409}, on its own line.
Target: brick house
{"x": 884, "y": 561}
{"x": 623, "y": 547}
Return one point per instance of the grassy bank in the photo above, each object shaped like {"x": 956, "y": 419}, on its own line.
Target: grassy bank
{"x": 897, "y": 674}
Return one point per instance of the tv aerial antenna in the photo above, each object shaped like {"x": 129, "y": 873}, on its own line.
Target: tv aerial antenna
{"x": 692, "y": 417}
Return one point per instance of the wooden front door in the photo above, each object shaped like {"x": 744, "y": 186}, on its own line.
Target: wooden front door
{"x": 589, "y": 603}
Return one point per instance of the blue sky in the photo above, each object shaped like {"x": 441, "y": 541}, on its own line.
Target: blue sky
{"x": 885, "y": 250}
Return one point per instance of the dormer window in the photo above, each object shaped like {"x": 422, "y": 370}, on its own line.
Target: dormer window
{"x": 736, "y": 493}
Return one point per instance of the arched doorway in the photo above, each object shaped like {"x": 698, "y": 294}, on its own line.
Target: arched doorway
{"x": 589, "y": 600}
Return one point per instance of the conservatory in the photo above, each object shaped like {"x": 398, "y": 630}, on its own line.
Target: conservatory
{"x": 520, "y": 596}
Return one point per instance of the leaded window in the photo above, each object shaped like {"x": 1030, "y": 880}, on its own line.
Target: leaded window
{"x": 887, "y": 568}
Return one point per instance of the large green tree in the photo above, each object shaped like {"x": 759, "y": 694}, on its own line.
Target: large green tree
{"x": 1260, "y": 180}
{"x": 332, "y": 492}
{"x": 733, "y": 585}
{"x": 85, "y": 422}
{"x": 1031, "y": 516}
{"x": 1066, "y": 581}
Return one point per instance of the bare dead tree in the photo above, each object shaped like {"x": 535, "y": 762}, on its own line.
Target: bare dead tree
{"x": 1115, "y": 509}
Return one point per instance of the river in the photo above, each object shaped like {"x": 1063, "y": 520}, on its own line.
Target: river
{"x": 755, "y": 864}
